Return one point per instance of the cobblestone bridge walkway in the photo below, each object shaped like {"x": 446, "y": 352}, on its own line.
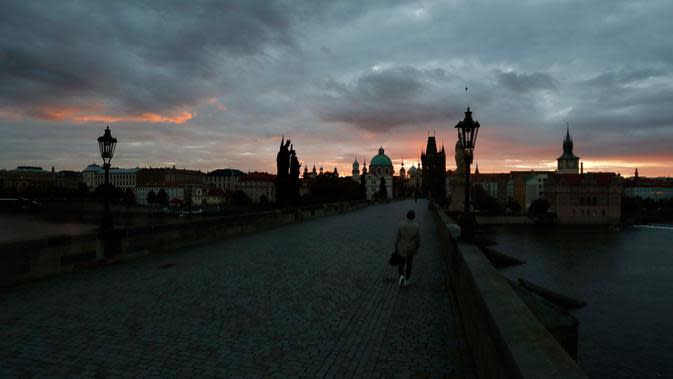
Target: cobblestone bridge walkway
{"x": 313, "y": 300}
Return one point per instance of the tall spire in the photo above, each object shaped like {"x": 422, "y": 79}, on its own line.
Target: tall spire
{"x": 568, "y": 142}
{"x": 476, "y": 168}
{"x": 568, "y": 163}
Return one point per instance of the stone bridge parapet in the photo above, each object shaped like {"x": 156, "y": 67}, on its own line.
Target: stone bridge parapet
{"x": 504, "y": 337}
{"x": 23, "y": 261}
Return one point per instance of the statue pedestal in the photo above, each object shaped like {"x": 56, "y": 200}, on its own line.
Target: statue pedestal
{"x": 457, "y": 193}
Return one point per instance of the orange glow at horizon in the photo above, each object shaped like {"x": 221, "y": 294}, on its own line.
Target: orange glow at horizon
{"x": 647, "y": 166}
{"x": 76, "y": 114}
{"x": 501, "y": 157}
{"x": 180, "y": 118}
{"x": 504, "y": 157}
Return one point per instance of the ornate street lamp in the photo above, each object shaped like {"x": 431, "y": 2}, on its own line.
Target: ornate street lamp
{"x": 467, "y": 135}
{"x": 106, "y": 144}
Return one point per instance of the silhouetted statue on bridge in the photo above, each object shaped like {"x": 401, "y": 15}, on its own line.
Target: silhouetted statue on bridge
{"x": 294, "y": 184}
{"x": 287, "y": 178}
{"x": 283, "y": 171}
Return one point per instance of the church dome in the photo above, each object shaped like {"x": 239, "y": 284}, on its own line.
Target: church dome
{"x": 381, "y": 159}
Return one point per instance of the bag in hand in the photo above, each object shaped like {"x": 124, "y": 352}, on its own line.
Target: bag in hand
{"x": 395, "y": 259}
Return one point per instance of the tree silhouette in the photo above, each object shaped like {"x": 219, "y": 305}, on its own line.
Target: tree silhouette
{"x": 538, "y": 207}
{"x": 162, "y": 197}
{"x": 483, "y": 201}
{"x": 329, "y": 188}
{"x": 151, "y": 197}
{"x": 82, "y": 190}
{"x": 239, "y": 197}
{"x": 514, "y": 206}
{"x": 129, "y": 197}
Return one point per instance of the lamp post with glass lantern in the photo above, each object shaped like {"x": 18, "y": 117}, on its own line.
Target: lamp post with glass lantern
{"x": 467, "y": 135}
{"x": 106, "y": 145}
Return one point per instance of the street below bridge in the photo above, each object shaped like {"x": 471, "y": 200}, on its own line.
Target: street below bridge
{"x": 309, "y": 300}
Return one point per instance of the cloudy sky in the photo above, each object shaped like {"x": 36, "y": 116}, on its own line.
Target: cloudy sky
{"x": 206, "y": 84}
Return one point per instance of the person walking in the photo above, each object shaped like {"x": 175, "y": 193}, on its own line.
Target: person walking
{"x": 407, "y": 244}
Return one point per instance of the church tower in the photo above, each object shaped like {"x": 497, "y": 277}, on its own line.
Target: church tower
{"x": 403, "y": 172}
{"x": 434, "y": 171}
{"x": 356, "y": 169}
{"x": 568, "y": 163}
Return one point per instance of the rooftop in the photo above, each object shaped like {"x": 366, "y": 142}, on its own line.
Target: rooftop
{"x": 226, "y": 172}
{"x": 114, "y": 170}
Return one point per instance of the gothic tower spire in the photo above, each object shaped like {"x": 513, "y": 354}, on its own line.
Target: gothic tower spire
{"x": 568, "y": 163}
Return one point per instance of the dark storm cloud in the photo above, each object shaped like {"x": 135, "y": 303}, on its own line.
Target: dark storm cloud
{"x": 364, "y": 73}
{"x": 128, "y": 57}
{"x": 612, "y": 79}
{"x": 383, "y": 99}
{"x": 634, "y": 101}
{"x": 521, "y": 82}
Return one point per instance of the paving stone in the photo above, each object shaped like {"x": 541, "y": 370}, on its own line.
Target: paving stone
{"x": 315, "y": 299}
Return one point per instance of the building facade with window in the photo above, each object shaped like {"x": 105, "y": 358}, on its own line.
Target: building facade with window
{"x": 260, "y": 187}
{"x": 209, "y": 196}
{"x": 524, "y": 187}
{"x": 123, "y": 178}
{"x": 591, "y": 198}
{"x": 179, "y": 184}
{"x": 649, "y": 188}
{"x": 225, "y": 179}
{"x": 380, "y": 171}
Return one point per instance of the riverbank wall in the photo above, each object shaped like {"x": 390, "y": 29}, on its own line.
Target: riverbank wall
{"x": 24, "y": 261}
{"x": 505, "y": 338}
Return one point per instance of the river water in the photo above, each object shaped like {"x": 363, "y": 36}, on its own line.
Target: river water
{"x": 626, "y": 278}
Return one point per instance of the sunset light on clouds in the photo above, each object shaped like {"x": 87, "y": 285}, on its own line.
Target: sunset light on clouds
{"x": 213, "y": 85}
{"x": 74, "y": 114}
